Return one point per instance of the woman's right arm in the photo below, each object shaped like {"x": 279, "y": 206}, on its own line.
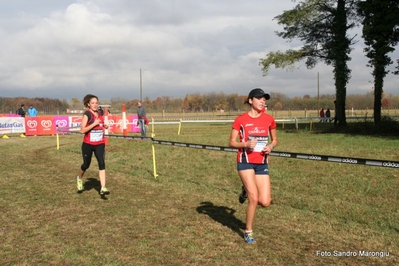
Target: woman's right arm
{"x": 233, "y": 143}
{"x": 83, "y": 128}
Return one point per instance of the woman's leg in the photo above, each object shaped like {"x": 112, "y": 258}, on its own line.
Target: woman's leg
{"x": 101, "y": 175}
{"x": 142, "y": 127}
{"x": 264, "y": 190}
{"x": 99, "y": 152}
{"x": 249, "y": 181}
{"x": 87, "y": 153}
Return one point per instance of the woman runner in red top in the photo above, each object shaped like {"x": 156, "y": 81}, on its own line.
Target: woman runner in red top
{"x": 254, "y": 135}
{"x": 93, "y": 141}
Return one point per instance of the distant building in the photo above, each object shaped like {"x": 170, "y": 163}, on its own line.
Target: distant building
{"x": 72, "y": 111}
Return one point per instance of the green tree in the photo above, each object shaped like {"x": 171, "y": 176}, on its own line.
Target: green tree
{"x": 381, "y": 34}
{"x": 322, "y": 27}
{"x": 76, "y": 103}
{"x": 185, "y": 104}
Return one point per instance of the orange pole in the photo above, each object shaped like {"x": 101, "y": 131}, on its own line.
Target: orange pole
{"x": 124, "y": 120}
{"x": 106, "y": 138}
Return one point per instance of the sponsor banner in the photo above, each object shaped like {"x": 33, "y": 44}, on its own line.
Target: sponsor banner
{"x": 31, "y": 125}
{"x": 115, "y": 123}
{"x": 40, "y": 125}
{"x": 9, "y": 115}
{"x": 75, "y": 122}
{"x": 133, "y": 126}
{"x": 60, "y": 122}
{"x": 10, "y": 125}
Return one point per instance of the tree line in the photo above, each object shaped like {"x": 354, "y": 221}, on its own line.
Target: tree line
{"x": 323, "y": 26}
{"x": 43, "y": 105}
{"x": 210, "y": 102}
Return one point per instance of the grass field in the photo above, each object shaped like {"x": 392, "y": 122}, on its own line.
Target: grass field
{"x": 189, "y": 214}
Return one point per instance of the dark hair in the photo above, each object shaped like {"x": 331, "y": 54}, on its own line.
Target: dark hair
{"x": 87, "y": 98}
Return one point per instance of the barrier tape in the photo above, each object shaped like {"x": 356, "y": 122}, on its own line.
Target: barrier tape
{"x": 336, "y": 159}
{"x": 314, "y": 157}
{"x": 291, "y": 155}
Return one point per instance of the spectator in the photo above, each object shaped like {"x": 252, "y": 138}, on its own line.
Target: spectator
{"x": 328, "y": 115}
{"x": 142, "y": 116}
{"x": 32, "y": 112}
{"x": 21, "y": 110}
{"x": 322, "y": 115}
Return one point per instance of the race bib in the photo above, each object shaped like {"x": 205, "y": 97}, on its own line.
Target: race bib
{"x": 96, "y": 135}
{"x": 260, "y": 144}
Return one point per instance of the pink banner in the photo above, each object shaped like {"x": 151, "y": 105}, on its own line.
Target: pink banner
{"x": 61, "y": 123}
{"x": 47, "y": 125}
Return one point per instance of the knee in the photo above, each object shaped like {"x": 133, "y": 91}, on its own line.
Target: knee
{"x": 84, "y": 167}
{"x": 265, "y": 203}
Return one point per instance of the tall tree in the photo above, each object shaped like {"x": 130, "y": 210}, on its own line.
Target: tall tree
{"x": 381, "y": 34}
{"x": 322, "y": 27}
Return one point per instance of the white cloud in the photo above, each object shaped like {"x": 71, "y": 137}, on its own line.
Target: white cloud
{"x": 65, "y": 49}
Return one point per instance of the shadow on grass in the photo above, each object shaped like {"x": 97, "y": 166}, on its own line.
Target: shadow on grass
{"x": 93, "y": 183}
{"x": 222, "y": 215}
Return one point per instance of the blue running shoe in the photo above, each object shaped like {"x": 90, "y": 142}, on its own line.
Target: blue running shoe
{"x": 243, "y": 196}
{"x": 249, "y": 237}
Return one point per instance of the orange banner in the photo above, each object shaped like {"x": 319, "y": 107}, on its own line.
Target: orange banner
{"x": 40, "y": 125}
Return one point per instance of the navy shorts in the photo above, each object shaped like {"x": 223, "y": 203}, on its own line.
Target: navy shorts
{"x": 260, "y": 169}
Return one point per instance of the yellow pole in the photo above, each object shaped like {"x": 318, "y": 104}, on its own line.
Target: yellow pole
{"x": 153, "y": 155}
{"x": 178, "y": 132}
{"x": 152, "y": 127}
{"x": 58, "y": 142}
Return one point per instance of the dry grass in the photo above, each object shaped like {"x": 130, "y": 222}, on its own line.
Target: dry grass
{"x": 189, "y": 214}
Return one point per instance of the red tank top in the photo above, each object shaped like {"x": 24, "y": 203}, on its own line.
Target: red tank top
{"x": 254, "y": 128}
{"x": 96, "y": 135}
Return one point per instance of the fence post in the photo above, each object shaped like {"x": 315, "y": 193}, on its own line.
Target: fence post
{"x": 178, "y": 132}
{"x": 106, "y": 137}
{"x": 124, "y": 127}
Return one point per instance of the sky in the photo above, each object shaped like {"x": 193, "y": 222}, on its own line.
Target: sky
{"x": 130, "y": 49}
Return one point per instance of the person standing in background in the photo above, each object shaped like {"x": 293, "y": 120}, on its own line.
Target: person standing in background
{"x": 328, "y": 115}
{"x": 21, "y": 111}
{"x": 32, "y": 112}
{"x": 322, "y": 115}
{"x": 141, "y": 116}
{"x": 100, "y": 111}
